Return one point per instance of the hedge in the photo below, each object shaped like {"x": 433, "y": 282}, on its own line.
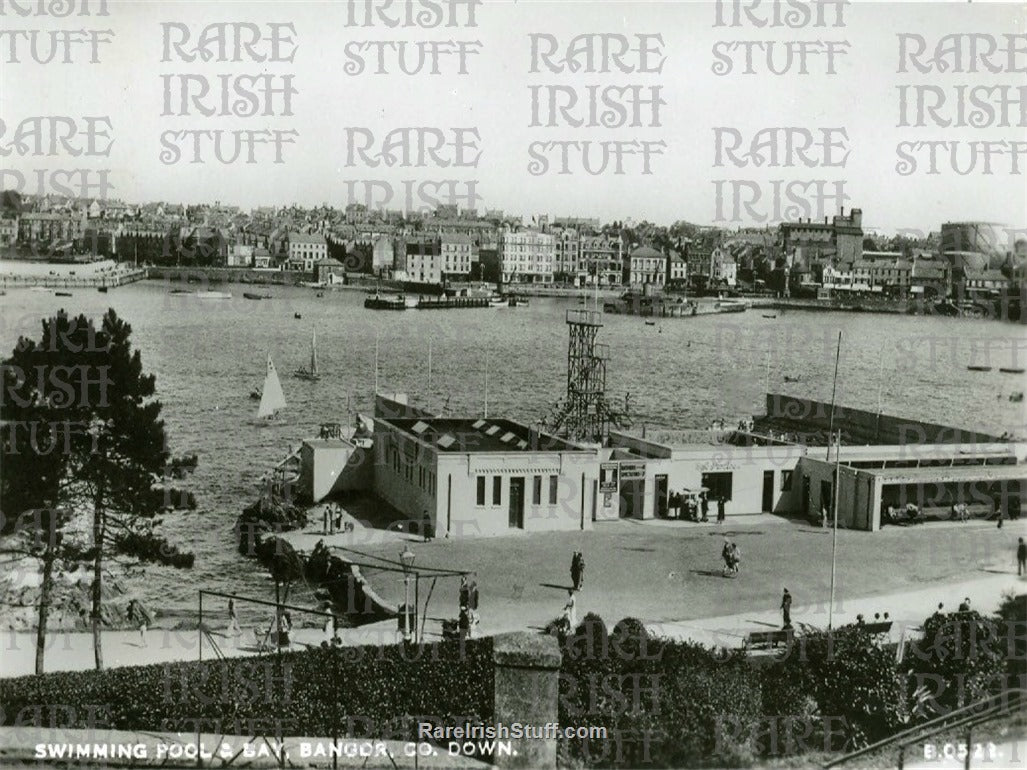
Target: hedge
{"x": 359, "y": 692}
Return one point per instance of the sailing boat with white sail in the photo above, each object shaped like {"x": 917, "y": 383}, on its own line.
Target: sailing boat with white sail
{"x": 312, "y": 373}
{"x": 271, "y": 398}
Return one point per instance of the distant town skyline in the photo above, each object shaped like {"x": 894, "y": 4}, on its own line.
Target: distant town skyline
{"x": 509, "y": 100}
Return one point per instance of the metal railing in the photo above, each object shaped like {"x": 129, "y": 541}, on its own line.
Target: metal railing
{"x": 969, "y": 716}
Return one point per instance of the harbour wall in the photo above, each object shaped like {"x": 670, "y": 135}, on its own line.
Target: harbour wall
{"x": 860, "y": 426}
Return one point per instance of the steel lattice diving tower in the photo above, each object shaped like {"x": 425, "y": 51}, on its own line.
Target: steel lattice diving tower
{"x": 585, "y": 415}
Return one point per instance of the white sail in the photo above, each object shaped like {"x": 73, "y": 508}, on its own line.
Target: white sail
{"x": 313, "y": 354}
{"x": 271, "y": 398}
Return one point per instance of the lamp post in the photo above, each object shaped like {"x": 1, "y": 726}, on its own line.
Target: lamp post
{"x": 407, "y": 560}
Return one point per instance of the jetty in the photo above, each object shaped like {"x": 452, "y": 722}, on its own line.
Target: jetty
{"x": 670, "y": 307}
{"x": 102, "y": 274}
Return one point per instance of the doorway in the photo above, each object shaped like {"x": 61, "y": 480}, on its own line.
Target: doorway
{"x": 516, "y": 503}
{"x": 662, "y": 497}
{"x": 826, "y": 496}
{"x": 632, "y": 499}
{"x": 806, "y": 499}
{"x": 768, "y": 491}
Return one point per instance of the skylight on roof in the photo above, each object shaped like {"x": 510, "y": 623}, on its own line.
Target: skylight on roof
{"x": 522, "y": 444}
{"x": 477, "y": 425}
{"x": 506, "y": 437}
{"x": 419, "y": 427}
{"x": 446, "y": 441}
{"x": 492, "y": 431}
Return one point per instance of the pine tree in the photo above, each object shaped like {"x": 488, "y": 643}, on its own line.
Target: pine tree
{"x": 84, "y": 390}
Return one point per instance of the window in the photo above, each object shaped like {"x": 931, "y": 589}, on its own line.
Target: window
{"x": 718, "y": 484}
{"x": 786, "y": 481}
{"x": 497, "y": 490}
{"x": 536, "y": 494}
{"x": 554, "y": 482}
{"x": 481, "y": 490}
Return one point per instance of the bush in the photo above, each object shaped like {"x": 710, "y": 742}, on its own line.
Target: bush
{"x": 663, "y": 703}
{"x": 359, "y": 692}
{"x": 853, "y": 680}
{"x": 961, "y": 658}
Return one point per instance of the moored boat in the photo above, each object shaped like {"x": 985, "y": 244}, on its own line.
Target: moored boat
{"x": 1011, "y": 369}
{"x": 214, "y": 294}
{"x": 979, "y": 368}
{"x": 388, "y": 302}
{"x": 252, "y": 295}
{"x": 62, "y": 293}
{"x": 102, "y": 289}
{"x": 310, "y": 374}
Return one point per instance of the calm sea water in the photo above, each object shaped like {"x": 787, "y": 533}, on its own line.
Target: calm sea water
{"x": 681, "y": 373}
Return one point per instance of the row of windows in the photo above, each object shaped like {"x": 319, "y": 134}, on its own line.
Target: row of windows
{"x": 425, "y": 477}
{"x": 497, "y": 490}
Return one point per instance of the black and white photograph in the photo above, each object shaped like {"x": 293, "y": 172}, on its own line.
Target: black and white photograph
{"x": 544, "y": 384}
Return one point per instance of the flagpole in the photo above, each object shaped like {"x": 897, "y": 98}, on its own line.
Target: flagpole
{"x": 834, "y": 535}
{"x": 429, "y": 375}
{"x": 376, "y": 364}
{"x": 486, "y": 384}
{"x": 834, "y": 392}
{"x": 880, "y": 396}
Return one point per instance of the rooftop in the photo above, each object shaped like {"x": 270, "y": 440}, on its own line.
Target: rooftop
{"x": 447, "y": 434}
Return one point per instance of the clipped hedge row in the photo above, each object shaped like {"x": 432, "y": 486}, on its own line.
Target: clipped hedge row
{"x": 667, "y": 703}
{"x": 360, "y": 692}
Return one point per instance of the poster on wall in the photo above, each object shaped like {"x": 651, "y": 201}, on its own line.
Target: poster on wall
{"x": 608, "y": 477}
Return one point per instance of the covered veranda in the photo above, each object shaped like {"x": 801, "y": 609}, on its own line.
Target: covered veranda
{"x": 984, "y": 489}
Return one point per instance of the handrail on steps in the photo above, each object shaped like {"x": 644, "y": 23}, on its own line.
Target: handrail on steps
{"x": 994, "y": 705}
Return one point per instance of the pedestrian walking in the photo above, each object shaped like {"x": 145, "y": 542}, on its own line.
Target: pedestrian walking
{"x": 964, "y": 606}
{"x": 465, "y": 592}
{"x": 570, "y": 611}
{"x": 138, "y": 614}
{"x": 426, "y": 527}
{"x": 1021, "y": 557}
{"x": 234, "y": 629}
{"x": 720, "y": 510}
{"x": 472, "y": 596}
{"x": 326, "y": 520}
{"x": 1001, "y": 515}
{"x": 577, "y": 570}
{"x": 705, "y": 507}
{"x": 786, "y": 608}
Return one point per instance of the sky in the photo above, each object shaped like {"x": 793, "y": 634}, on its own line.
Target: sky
{"x": 505, "y": 162}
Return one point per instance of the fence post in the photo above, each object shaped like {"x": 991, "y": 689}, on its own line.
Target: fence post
{"x": 526, "y": 690}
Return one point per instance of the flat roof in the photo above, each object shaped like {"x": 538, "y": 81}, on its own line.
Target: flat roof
{"x": 956, "y": 473}
{"x": 447, "y": 434}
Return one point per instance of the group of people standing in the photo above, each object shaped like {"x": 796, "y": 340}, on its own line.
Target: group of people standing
{"x": 332, "y": 520}
{"x": 695, "y": 506}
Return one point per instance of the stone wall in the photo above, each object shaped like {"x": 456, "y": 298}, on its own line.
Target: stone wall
{"x": 862, "y": 427}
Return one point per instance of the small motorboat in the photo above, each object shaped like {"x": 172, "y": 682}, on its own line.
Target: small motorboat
{"x": 792, "y": 379}
{"x": 62, "y": 293}
{"x": 102, "y": 289}
{"x": 1016, "y": 398}
{"x": 297, "y": 316}
{"x": 255, "y": 394}
{"x": 1011, "y": 369}
{"x": 770, "y": 315}
{"x": 979, "y": 368}
{"x": 180, "y": 292}
{"x": 251, "y": 295}
{"x": 650, "y": 323}
{"x": 214, "y": 294}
